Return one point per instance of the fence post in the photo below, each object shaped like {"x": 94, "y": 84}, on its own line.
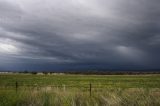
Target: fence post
{"x": 16, "y": 86}
{"x": 90, "y": 89}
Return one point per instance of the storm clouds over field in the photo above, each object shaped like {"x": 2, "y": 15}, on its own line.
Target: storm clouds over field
{"x": 79, "y": 34}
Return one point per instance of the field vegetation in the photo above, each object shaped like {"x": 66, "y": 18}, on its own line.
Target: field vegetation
{"x": 79, "y": 90}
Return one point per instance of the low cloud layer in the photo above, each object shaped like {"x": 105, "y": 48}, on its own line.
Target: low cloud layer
{"x": 79, "y": 34}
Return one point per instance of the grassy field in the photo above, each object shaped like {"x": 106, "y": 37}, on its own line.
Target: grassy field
{"x": 75, "y": 90}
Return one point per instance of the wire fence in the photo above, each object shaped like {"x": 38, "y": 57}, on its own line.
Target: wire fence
{"x": 86, "y": 85}
{"x": 89, "y": 88}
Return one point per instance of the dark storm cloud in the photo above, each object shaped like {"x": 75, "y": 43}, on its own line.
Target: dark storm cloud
{"x": 107, "y": 33}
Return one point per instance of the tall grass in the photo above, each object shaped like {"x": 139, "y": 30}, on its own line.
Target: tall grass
{"x": 75, "y": 97}
{"x": 73, "y": 90}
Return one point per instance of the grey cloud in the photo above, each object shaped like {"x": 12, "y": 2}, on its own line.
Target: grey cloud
{"x": 81, "y": 32}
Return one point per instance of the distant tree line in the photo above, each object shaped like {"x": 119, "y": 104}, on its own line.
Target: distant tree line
{"x": 111, "y": 72}
{"x": 94, "y": 72}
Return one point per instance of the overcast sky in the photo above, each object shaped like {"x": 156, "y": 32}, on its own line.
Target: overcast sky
{"x": 79, "y": 34}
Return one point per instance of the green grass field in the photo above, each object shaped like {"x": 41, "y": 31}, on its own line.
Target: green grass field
{"x": 74, "y": 90}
